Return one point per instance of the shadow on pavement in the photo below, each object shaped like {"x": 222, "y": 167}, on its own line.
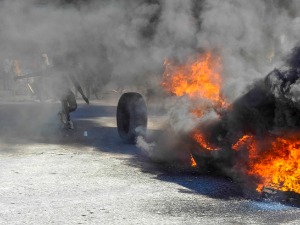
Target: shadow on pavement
{"x": 32, "y": 123}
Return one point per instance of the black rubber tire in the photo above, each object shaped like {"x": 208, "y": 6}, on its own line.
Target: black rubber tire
{"x": 131, "y": 117}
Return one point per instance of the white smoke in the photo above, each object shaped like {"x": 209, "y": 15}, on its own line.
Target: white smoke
{"x": 147, "y": 148}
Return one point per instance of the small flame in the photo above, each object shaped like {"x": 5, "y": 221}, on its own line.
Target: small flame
{"x": 245, "y": 140}
{"x": 193, "y": 162}
{"x": 200, "y": 139}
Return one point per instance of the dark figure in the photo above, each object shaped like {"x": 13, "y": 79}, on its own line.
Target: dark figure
{"x": 39, "y": 84}
{"x": 63, "y": 81}
{"x": 7, "y": 74}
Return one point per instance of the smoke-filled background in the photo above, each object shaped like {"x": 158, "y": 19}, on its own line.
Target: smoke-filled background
{"x": 126, "y": 42}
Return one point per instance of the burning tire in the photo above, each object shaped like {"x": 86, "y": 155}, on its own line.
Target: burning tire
{"x": 131, "y": 117}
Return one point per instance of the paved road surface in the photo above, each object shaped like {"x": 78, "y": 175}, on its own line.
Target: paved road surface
{"x": 49, "y": 176}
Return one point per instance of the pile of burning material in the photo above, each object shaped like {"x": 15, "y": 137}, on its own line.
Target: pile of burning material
{"x": 256, "y": 139}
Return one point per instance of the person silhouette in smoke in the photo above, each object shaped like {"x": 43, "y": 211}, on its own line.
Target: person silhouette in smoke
{"x": 63, "y": 80}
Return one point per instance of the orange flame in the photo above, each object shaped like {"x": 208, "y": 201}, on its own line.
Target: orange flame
{"x": 193, "y": 162}
{"x": 199, "y": 79}
{"x": 275, "y": 165}
{"x": 245, "y": 140}
{"x": 200, "y": 139}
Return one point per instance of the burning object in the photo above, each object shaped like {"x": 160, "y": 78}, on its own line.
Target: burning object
{"x": 274, "y": 161}
{"x": 256, "y": 139}
{"x": 199, "y": 79}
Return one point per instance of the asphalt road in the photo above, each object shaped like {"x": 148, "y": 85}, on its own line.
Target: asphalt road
{"x": 52, "y": 176}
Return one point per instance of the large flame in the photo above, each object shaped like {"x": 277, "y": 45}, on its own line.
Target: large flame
{"x": 272, "y": 162}
{"x": 275, "y": 164}
{"x": 199, "y": 79}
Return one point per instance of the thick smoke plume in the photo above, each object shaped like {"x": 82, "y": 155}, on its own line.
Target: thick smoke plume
{"x": 252, "y": 36}
{"x": 253, "y": 39}
{"x": 126, "y": 42}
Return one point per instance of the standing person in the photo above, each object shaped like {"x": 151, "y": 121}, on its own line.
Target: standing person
{"x": 63, "y": 80}
{"x": 7, "y": 79}
{"x": 16, "y": 67}
{"x": 40, "y": 84}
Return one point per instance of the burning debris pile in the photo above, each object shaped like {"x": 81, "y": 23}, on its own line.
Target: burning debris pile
{"x": 256, "y": 139}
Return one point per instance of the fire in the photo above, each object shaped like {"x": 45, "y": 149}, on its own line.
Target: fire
{"x": 199, "y": 79}
{"x": 272, "y": 162}
{"x": 193, "y": 162}
{"x": 200, "y": 139}
{"x": 245, "y": 140}
{"x": 278, "y": 167}
{"x": 275, "y": 164}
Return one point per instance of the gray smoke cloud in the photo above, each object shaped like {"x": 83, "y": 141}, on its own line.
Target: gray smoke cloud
{"x": 128, "y": 41}
{"x": 253, "y": 38}
{"x": 106, "y": 36}
{"x": 124, "y": 43}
